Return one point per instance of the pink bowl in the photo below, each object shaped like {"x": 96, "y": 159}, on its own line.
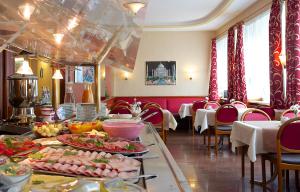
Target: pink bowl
{"x": 123, "y": 130}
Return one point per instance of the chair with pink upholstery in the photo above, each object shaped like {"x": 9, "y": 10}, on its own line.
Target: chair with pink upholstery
{"x": 288, "y": 152}
{"x": 212, "y": 105}
{"x": 224, "y": 118}
{"x": 197, "y": 105}
{"x": 255, "y": 115}
{"x": 268, "y": 110}
{"x": 157, "y": 120}
{"x": 239, "y": 104}
{"x": 121, "y": 103}
{"x": 120, "y": 110}
{"x": 289, "y": 113}
{"x": 151, "y": 104}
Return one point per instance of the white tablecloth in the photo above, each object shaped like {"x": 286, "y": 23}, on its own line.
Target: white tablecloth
{"x": 169, "y": 120}
{"x": 206, "y": 118}
{"x": 260, "y": 136}
{"x": 185, "y": 110}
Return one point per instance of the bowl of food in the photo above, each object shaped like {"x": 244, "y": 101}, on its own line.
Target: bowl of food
{"x": 124, "y": 129}
{"x": 81, "y": 127}
{"x": 14, "y": 175}
{"x": 48, "y": 129}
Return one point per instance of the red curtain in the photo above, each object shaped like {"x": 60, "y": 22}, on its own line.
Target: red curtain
{"x": 230, "y": 61}
{"x": 240, "y": 93}
{"x": 293, "y": 52}
{"x": 276, "y": 70}
{"x": 213, "y": 85}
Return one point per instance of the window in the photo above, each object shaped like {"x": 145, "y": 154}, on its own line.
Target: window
{"x": 222, "y": 64}
{"x": 256, "y": 53}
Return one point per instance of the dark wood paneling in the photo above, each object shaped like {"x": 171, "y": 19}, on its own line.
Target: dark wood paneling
{"x": 7, "y": 68}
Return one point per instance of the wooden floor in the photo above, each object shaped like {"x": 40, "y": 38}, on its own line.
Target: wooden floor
{"x": 206, "y": 172}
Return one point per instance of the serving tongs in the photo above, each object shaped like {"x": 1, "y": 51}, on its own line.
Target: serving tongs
{"x": 147, "y": 117}
{"x": 141, "y": 114}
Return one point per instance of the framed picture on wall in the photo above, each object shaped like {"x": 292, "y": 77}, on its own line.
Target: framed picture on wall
{"x": 84, "y": 74}
{"x": 160, "y": 73}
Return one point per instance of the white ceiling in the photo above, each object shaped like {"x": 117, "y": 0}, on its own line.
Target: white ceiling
{"x": 183, "y": 15}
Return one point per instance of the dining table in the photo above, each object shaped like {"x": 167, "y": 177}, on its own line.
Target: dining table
{"x": 254, "y": 138}
{"x": 206, "y": 117}
{"x": 169, "y": 120}
{"x": 185, "y": 110}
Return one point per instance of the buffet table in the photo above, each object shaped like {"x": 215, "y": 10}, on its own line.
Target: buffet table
{"x": 170, "y": 177}
{"x": 163, "y": 174}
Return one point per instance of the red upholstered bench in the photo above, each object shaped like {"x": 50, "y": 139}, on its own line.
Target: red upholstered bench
{"x": 171, "y": 103}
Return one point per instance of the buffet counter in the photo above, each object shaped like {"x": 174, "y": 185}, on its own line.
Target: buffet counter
{"x": 170, "y": 177}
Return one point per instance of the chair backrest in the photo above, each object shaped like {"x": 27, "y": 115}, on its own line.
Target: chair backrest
{"x": 268, "y": 110}
{"x": 121, "y": 104}
{"x": 288, "y": 136}
{"x": 289, "y": 113}
{"x": 198, "y": 105}
{"x": 239, "y": 104}
{"x": 156, "y": 119}
{"x": 226, "y": 114}
{"x": 151, "y": 104}
{"x": 143, "y": 103}
{"x": 120, "y": 110}
{"x": 255, "y": 115}
{"x": 212, "y": 105}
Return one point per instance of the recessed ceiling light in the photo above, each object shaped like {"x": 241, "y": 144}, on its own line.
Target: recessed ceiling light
{"x": 58, "y": 37}
{"x": 135, "y": 7}
{"x": 26, "y": 10}
{"x": 72, "y": 23}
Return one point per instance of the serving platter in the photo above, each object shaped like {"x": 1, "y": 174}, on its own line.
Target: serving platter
{"x": 98, "y": 143}
{"x": 74, "y": 163}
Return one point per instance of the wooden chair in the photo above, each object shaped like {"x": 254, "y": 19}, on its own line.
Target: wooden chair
{"x": 289, "y": 114}
{"x": 197, "y": 105}
{"x": 120, "y": 110}
{"x": 255, "y": 115}
{"x": 121, "y": 104}
{"x": 212, "y": 105}
{"x": 224, "y": 118}
{"x": 269, "y": 110}
{"x": 156, "y": 120}
{"x": 239, "y": 104}
{"x": 151, "y": 104}
{"x": 288, "y": 142}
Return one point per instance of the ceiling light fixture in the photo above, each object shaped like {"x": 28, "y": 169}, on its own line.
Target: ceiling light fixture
{"x": 25, "y": 69}
{"x": 58, "y": 37}
{"x": 135, "y": 7}
{"x": 26, "y": 10}
{"x": 72, "y": 23}
{"x": 57, "y": 74}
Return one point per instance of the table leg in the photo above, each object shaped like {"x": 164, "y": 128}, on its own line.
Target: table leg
{"x": 243, "y": 160}
{"x": 252, "y": 173}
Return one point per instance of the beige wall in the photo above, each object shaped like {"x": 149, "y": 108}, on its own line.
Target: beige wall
{"x": 259, "y": 7}
{"x": 190, "y": 50}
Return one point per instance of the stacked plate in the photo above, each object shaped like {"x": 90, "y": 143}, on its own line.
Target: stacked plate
{"x": 66, "y": 110}
{"x": 85, "y": 112}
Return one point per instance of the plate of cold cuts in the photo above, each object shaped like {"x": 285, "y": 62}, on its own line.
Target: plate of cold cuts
{"x": 73, "y": 162}
{"x": 105, "y": 144}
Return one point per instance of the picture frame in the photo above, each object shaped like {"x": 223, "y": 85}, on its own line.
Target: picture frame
{"x": 84, "y": 74}
{"x": 160, "y": 73}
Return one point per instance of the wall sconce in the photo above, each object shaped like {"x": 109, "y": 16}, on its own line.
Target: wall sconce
{"x": 190, "y": 75}
{"x": 125, "y": 75}
{"x": 57, "y": 74}
{"x": 135, "y": 7}
{"x": 282, "y": 58}
{"x": 103, "y": 75}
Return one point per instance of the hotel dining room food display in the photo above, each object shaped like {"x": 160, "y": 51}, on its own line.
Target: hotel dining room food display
{"x": 72, "y": 162}
{"x": 99, "y": 143}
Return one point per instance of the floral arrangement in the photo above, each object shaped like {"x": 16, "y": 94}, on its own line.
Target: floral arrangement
{"x": 295, "y": 109}
{"x": 232, "y": 100}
